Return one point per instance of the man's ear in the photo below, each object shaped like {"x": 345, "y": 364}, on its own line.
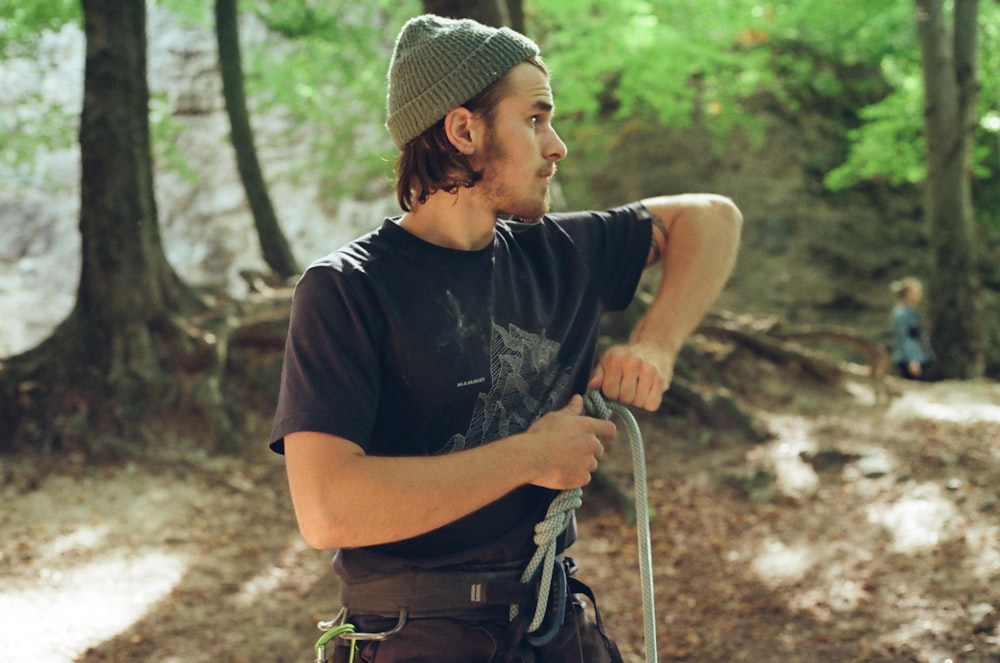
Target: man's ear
{"x": 459, "y": 126}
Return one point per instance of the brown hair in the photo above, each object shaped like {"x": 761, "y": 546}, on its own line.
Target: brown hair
{"x": 430, "y": 163}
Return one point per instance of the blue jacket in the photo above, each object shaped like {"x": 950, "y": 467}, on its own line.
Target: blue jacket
{"x": 909, "y": 341}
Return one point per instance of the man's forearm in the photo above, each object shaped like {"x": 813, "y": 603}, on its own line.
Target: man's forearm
{"x": 360, "y": 500}
{"x": 345, "y": 498}
{"x": 695, "y": 239}
{"x": 703, "y": 235}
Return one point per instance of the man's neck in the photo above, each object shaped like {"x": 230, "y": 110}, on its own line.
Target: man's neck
{"x": 453, "y": 221}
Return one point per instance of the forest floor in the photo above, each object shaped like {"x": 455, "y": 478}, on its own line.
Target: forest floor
{"x": 867, "y": 529}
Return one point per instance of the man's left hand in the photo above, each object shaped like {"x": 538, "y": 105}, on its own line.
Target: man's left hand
{"x": 634, "y": 374}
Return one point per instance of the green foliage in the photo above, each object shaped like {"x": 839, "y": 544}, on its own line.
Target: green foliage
{"x": 889, "y": 145}
{"x": 847, "y": 31}
{"x": 326, "y": 75}
{"x": 23, "y": 21}
{"x": 192, "y": 12}
{"x": 666, "y": 62}
{"x": 30, "y": 122}
{"x": 715, "y": 61}
{"x": 724, "y": 64}
{"x": 295, "y": 20}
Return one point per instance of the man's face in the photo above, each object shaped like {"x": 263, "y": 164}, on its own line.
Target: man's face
{"x": 522, "y": 148}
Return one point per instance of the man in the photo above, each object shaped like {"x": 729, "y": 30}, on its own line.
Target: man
{"x": 431, "y": 403}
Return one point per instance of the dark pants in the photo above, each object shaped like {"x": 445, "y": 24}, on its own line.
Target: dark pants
{"x": 444, "y": 640}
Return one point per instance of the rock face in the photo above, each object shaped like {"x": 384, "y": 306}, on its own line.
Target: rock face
{"x": 206, "y": 226}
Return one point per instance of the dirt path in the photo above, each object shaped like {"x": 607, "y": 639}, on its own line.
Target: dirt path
{"x": 867, "y": 535}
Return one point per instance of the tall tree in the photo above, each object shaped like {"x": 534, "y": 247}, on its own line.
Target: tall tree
{"x": 950, "y": 73}
{"x": 274, "y": 245}
{"x": 115, "y": 359}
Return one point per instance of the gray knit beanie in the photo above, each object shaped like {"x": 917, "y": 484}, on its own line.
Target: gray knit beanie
{"x": 440, "y": 63}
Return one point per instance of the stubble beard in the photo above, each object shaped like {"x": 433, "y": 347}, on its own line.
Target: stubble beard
{"x": 506, "y": 202}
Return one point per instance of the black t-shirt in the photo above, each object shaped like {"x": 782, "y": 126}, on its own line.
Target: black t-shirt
{"x": 407, "y": 348}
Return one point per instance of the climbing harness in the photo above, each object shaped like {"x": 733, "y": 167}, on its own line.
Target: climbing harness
{"x": 545, "y": 567}
{"x": 557, "y": 518}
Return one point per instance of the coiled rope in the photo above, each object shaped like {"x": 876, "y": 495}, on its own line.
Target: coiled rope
{"x": 558, "y": 516}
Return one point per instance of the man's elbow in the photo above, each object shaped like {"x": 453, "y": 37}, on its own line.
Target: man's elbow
{"x": 318, "y": 540}
{"x": 727, "y": 214}
{"x": 722, "y": 221}
{"x": 321, "y": 531}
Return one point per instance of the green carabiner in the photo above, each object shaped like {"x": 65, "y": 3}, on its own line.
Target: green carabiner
{"x": 342, "y": 629}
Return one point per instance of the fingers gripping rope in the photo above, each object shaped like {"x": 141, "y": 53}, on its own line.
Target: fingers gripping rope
{"x": 558, "y": 517}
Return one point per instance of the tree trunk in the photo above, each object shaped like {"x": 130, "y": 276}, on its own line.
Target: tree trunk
{"x": 274, "y": 246}
{"x": 118, "y": 357}
{"x": 125, "y": 280}
{"x": 497, "y": 13}
{"x": 950, "y": 90}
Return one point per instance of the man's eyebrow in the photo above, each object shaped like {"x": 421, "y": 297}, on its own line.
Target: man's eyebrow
{"x": 544, "y": 106}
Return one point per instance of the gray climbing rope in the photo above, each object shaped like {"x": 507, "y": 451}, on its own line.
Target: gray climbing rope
{"x": 558, "y": 517}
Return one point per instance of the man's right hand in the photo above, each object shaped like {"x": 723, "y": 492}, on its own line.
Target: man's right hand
{"x": 567, "y": 446}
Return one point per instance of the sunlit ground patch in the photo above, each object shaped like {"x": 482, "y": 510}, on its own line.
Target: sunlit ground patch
{"x": 779, "y": 564}
{"x": 84, "y": 558}
{"x": 793, "y": 437}
{"x": 918, "y": 520}
{"x": 947, "y": 402}
{"x": 289, "y": 570}
{"x": 69, "y": 609}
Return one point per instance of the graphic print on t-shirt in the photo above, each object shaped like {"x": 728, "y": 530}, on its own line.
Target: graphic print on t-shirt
{"x": 527, "y": 379}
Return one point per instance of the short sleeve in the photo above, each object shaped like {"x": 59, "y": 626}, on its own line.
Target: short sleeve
{"x": 329, "y": 381}
{"x": 616, "y": 243}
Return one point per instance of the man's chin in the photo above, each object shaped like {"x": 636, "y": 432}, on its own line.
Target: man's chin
{"x": 533, "y": 218}
{"x": 532, "y": 213}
